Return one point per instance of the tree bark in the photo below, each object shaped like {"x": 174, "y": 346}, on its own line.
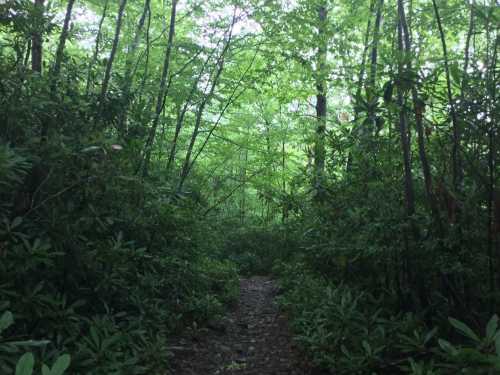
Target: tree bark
{"x": 111, "y": 58}
{"x": 403, "y": 131}
{"x": 467, "y": 51}
{"x": 96, "y": 49}
{"x": 128, "y": 77}
{"x": 371, "y": 96}
{"x": 186, "y": 168}
{"x": 56, "y": 69}
{"x": 37, "y": 41}
{"x": 162, "y": 92}
{"x": 456, "y": 160}
{"x": 62, "y": 43}
{"x": 419, "y": 109}
{"x": 360, "y": 82}
{"x": 321, "y": 105}
{"x": 182, "y": 113}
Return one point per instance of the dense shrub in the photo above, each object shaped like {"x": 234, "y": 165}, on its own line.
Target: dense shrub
{"x": 98, "y": 263}
{"x": 349, "y": 331}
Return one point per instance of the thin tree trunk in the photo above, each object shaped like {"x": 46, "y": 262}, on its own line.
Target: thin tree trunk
{"x": 96, "y": 49}
{"x": 456, "y": 160}
{"x": 27, "y": 55}
{"x": 491, "y": 85}
{"x": 243, "y": 176}
{"x": 62, "y": 43}
{"x": 408, "y": 176}
{"x": 370, "y": 89}
{"x": 467, "y": 50}
{"x": 162, "y": 92}
{"x": 199, "y": 115}
{"x": 403, "y": 130}
{"x": 491, "y": 214}
{"x": 363, "y": 59}
{"x": 419, "y": 109}
{"x": 111, "y": 58}
{"x": 361, "y": 80}
{"x": 54, "y": 74}
{"x": 284, "y": 214}
{"x": 37, "y": 41}
{"x": 181, "y": 115}
{"x": 147, "y": 53}
{"x": 374, "y": 53}
{"x": 128, "y": 77}
{"x": 186, "y": 168}
{"x": 232, "y": 98}
{"x": 321, "y": 105}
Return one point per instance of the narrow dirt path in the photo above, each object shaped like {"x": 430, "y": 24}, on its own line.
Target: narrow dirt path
{"x": 253, "y": 339}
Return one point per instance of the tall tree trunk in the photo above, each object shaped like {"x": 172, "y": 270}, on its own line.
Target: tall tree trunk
{"x": 27, "y": 55}
{"x": 186, "y": 167}
{"x": 363, "y": 57}
{"x": 182, "y": 113}
{"x": 62, "y": 43}
{"x": 232, "y": 98}
{"x": 456, "y": 160}
{"x": 403, "y": 131}
{"x": 114, "y": 48}
{"x": 162, "y": 92}
{"x": 128, "y": 77}
{"x": 199, "y": 116}
{"x": 491, "y": 86}
{"x": 405, "y": 146}
{"x": 371, "y": 96}
{"x": 408, "y": 176}
{"x": 467, "y": 51}
{"x": 419, "y": 109}
{"x": 321, "y": 105}
{"x": 56, "y": 69}
{"x": 361, "y": 78}
{"x": 96, "y": 49}
{"x": 243, "y": 181}
{"x": 140, "y": 89}
{"x": 37, "y": 40}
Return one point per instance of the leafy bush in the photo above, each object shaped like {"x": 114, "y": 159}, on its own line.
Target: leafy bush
{"x": 86, "y": 274}
{"x": 348, "y": 331}
{"x": 26, "y": 363}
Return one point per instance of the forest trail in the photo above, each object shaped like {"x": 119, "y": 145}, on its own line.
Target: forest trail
{"x": 253, "y": 339}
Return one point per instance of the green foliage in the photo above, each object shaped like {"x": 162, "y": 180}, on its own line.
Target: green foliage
{"x": 117, "y": 231}
{"x": 347, "y": 331}
{"x": 255, "y": 250}
{"x": 26, "y": 363}
{"x": 95, "y": 261}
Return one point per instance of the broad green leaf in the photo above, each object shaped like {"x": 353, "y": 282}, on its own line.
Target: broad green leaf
{"x": 61, "y": 365}
{"x": 447, "y": 347}
{"x": 367, "y": 347}
{"x": 455, "y": 73}
{"x": 6, "y": 321}
{"x": 46, "y": 370}
{"x": 430, "y": 335}
{"x": 16, "y": 222}
{"x": 491, "y": 327}
{"x": 25, "y": 364}
{"x": 94, "y": 336}
{"x": 464, "y": 329}
{"x": 90, "y": 149}
{"x": 497, "y": 345}
{"x": 31, "y": 343}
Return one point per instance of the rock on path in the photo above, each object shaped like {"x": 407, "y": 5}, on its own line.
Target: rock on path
{"x": 251, "y": 340}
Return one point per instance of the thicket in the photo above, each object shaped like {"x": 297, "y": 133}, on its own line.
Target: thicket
{"x": 398, "y": 267}
{"x": 99, "y": 265}
{"x": 152, "y": 151}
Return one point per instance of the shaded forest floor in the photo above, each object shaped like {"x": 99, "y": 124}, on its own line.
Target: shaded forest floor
{"x": 252, "y": 339}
